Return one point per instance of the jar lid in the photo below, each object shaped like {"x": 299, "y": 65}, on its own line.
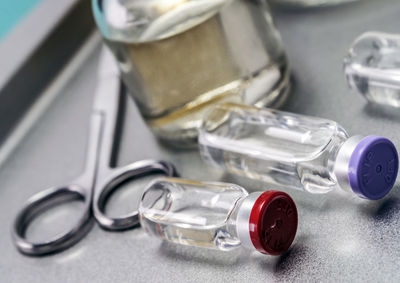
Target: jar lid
{"x": 273, "y": 222}
{"x": 138, "y": 21}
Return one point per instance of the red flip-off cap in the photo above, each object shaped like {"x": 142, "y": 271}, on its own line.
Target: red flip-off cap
{"x": 273, "y": 222}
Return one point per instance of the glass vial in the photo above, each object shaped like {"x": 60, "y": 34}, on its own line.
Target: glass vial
{"x": 372, "y": 67}
{"x": 305, "y": 153}
{"x": 179, "y": 58}
{"x": 218, "y": 215}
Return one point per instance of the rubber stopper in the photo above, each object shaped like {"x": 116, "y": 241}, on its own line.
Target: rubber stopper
{"x": 273, "y": 222}
{"x": 373, "y": 167}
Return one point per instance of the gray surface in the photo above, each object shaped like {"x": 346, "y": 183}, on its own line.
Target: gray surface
{"x": 340, "y": 237}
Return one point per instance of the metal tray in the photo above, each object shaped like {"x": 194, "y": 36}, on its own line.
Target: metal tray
{"x": 340, "y": 237}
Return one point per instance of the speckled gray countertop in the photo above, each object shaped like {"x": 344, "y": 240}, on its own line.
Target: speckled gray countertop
{"x": 340, "y": 237}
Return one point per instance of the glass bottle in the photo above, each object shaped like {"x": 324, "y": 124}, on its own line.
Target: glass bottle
{"x": 301, "y": 152}
{"x": 372, "y": 67}
{"x": 179, "y": 58}
{"x": 218, "y": 215}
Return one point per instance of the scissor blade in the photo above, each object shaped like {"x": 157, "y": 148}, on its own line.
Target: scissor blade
{"x": 108, "y": 83}
{"x": 108, "y": 65}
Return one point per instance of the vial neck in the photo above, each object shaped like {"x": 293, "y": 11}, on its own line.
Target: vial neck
{"x": 243, "y": 220}
{"x": 341, "y": 166}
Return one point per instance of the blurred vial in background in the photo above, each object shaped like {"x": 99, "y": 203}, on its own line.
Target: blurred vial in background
{"x": 218, "y": 215}
{"x": 179, "y": 58}
{"x": 309, "y": 3}
{"x": 295, "y": 151}
{"x": 372, "y": 67}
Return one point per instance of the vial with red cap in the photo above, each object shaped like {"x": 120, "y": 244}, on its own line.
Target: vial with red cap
{"x": 296, "y": 151}
{"x": 218, "y": 215}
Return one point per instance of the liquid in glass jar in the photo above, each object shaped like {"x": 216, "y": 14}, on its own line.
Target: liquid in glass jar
{"x": 180, "y": 58}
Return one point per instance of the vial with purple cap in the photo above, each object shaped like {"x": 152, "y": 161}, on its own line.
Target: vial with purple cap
{"x": 301, "y": 152}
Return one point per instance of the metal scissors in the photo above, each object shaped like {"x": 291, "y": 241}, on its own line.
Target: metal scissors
{"x": 98, "y": 180}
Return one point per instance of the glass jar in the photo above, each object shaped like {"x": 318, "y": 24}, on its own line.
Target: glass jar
{"x": 179, "y": 58}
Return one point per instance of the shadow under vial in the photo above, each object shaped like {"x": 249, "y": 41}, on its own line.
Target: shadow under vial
{"x": 382, "y": 210}
{"x": 289, "y": 260}
{"x": 238, "y": 257}
{"x": 204, "y": 256}
{"x": 382, "y": 112}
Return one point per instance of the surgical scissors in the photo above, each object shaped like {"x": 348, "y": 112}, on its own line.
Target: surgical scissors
{"x": 98, "y": 180}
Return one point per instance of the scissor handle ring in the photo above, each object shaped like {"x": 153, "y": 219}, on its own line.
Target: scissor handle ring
{"x": 132, "y": 171}
{"x": 43, "y": 201}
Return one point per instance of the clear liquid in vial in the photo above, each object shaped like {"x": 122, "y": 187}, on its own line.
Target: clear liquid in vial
{"x": 218, "y": 215}
{"x": 282, "y": 149}
{"x": 191, "y": 213}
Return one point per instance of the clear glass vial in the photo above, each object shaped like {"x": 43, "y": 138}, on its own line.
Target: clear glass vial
{"x": 305, "y": 153}
{"x": 179, "y": 58}
{"x": 218, "y": 215}
{"x": 372, "y": 67}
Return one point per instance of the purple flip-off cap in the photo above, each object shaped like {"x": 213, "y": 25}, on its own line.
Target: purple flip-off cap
{"x": 373, "y": 167}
